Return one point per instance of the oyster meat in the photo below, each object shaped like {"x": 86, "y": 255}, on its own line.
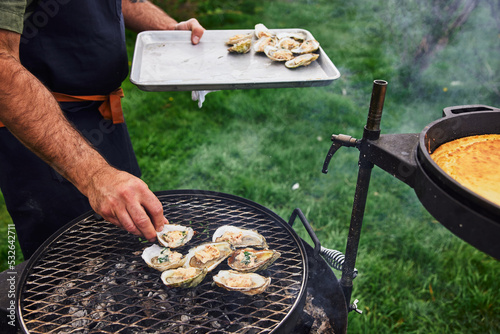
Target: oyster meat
{"x": 162, "y": 258}
{"x": 250, "y": 260}
{"x": 247, "y": 283}
{"x": 174, "y": 236}
{"x": 208, "y": 255}
{"x": 307, "y": 46}
{"x": 239, "y": 237}
{"x": 302, "y": 60}
{"x": 262, "y": 42}
{"x": 277, "y": 54}
{"x": 183, "y": 277}
{"x": 288, "y": 43}
{"x": 241, "y": 47}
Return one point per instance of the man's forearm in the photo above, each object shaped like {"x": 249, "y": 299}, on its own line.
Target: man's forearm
{"x": 42, "y": 127}
{"x": 141, "y": 15}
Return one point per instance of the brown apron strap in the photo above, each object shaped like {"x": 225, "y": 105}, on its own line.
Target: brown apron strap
{"x": 111, "y": 107}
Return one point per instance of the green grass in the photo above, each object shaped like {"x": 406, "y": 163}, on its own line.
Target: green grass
{"x": 415, "y": 276}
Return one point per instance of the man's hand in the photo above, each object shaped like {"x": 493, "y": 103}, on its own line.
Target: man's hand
{"x": 142, "y": 15}
{"x": 127, "y": 202}
{"x": 196, "y": 29}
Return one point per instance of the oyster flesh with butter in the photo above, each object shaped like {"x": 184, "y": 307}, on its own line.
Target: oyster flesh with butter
{"x": 208, "y": 255}
{"x": 162, "y": 258}
{"x": 251, "y": 260}
{"x": 247, "y": 283}
{"x": 241, "y": 47}
{"x": 278, "y": 54}
{"x": 302, "y": 60}
{"x": 307, "y": 46}
{"x": 183, "y": 277}
{"x": 174, "y": 236}
{"x": 262, "y": 42}
{"x": 239, "y": 237}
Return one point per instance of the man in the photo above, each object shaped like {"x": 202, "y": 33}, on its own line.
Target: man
{"x": 58, "y": 66}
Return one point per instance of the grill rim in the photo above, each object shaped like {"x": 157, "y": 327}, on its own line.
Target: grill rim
{"x": 285, "y": 325}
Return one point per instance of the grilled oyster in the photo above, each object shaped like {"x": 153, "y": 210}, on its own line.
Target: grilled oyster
{"x": 302, "y": 60}
{"x": 288, "y": 43}
{"x": 307, "y": 46}
{"x": 262, "y": 42}
{"x": 262, "y": 31}
{"x": 278, "y": 54}
{"x": 174, "y": 236}
{"x": 162, "y": 258}
{"x": 183, "y": 277}
{"x": 247, "y": 283}
{"x": 249, "y": 260}
{"x": 298, "y": 36}
{"x": 239, "y": 237}
{"x": 238, "y": 38}
{"x": 208, "y": 255}
{"x": 241, "y": 47}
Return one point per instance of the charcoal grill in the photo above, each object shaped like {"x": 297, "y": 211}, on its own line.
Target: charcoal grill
{"x": 90, "y": 278}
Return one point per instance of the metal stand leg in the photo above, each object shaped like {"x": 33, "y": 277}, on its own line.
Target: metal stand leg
{"x": 371, "y": 132}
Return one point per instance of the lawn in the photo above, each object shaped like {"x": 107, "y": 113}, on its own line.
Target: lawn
{"x": 414, "y": 275}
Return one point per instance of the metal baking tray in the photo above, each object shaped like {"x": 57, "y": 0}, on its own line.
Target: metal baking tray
{"x": 167, "y": 61}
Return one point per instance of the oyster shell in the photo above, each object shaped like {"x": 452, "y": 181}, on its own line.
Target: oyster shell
{"x": 183, "y": 277}
{"x": 238, "y": 38}
{"x": 278, "y": 54}
{"x": 262, "y": 42}
{"x": 241, "y": 47}
{"x": 247, "y": 283}
{"x": 249, "y": 260}
{"x": 208, "y": 255}
{"x": 162, "y": 258}
{"x": 302, "y": 60}
{"x": 262, "y": 31}
{"x": 307, "y": 46}
{"x": 174, "y": 236}
{"x": 239, "y": 237}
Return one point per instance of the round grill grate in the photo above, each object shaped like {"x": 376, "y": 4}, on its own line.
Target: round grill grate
{"x": 90, "y": 277}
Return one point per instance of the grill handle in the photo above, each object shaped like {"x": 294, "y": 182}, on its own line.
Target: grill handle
{"x": 314, "y": 237}
{"x": 333, "y": 257}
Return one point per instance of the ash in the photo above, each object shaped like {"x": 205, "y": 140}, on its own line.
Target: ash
{"x": 314, "y": 319}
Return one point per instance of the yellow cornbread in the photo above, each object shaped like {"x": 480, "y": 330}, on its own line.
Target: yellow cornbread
{"x": 474, "y": 162}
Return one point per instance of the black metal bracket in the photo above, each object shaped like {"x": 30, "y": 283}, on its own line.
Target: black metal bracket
{"x": 337, "y": 142}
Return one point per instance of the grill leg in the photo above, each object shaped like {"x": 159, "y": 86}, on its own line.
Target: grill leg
{"x": 358, "y": 210}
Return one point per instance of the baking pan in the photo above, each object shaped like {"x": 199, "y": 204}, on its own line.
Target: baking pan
{"x": 167, "y": 61}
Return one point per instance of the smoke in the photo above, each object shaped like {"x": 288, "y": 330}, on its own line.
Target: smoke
{"x": 461, "y": 70}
